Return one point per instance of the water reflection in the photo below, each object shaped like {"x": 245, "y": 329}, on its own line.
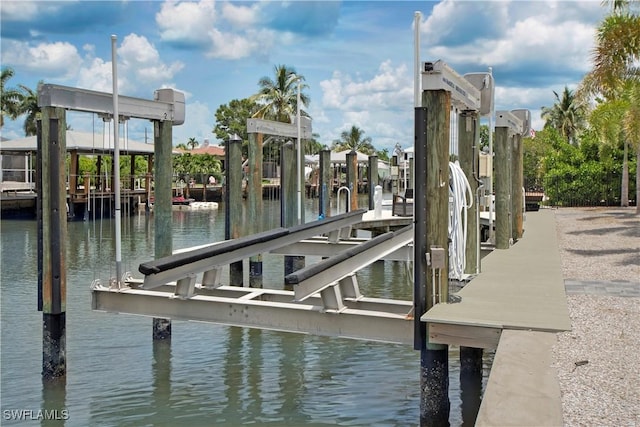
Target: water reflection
{"x": 54, "y": 405}
{"x": 207, "y": 374}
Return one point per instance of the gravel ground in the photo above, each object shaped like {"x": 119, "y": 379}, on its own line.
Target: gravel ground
{"x": 598, "y": 361}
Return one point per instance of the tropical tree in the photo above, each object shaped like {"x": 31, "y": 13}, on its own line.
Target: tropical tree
{"x": 29, "y": 106}
{"x": 192, "y": 143}
{"x": 616, "y": 75}
{"x": 313, "y": 146}
{"x": 232, "y": 119}
{"x": 9, "y": 97}
{"x": 354, "y": 139}
{"x": 278, "y": 98}
{"x": 383, "y": 154}
{"x": 567, "y": 115}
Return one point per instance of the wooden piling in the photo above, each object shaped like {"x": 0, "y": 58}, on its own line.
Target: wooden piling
{"x": 325, "y": 184}
{"x": 233, "y": 206}
{"x": 502, "y": 168}
{"x": 289, "y": 202}
{"x": 431, "y": 202}
{"x": 471, "y": 358}
{"x": 162, "y": 207}
{"x": 517, "y": 181}
{"x": 468, "y": 138}
{"x": 372, "y": 179}
{"x": 470, "y": 383}
{"x": 254, "y": 201}
{"x": 52, "y": 229}
{"x": 352, "y": 179}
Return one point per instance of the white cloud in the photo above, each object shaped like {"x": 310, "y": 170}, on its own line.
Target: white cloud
{"x": 141, "y": 60}
{"x": 240, "y": 16}
{"x": 54, "y": 60}
{"x": 381, "y": 105}
{"x": 198, "y": 124}
{"x": 97, "y": 75}
{"x": 227, "y": 45}
{"x": 186, "y": 21}
{"x": 556, "y": 34}
{"x": 26, "y": 10}
{"x": 140, "y": 69}
{"x": 390, "y": 87}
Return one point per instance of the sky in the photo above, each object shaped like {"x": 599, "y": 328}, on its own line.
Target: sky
{"x": 357, "y": 57}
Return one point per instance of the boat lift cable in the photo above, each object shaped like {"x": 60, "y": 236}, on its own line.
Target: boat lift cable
{"x": 461, "y": 199}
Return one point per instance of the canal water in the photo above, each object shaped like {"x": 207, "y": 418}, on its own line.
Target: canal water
{"x": 207, "y": 375}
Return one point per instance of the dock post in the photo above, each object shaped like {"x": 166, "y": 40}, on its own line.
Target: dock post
{"x": 503, "y": 188}
{"x": 289, "y": 202}
{"x": 52, "y": 229}
{"x": 431, "y": 201}
{"x": 372, "y": 180}
{"x": 324, "y": 200}
{"x": 254, "y": 200}
{"x": 162, "y": 207}
{"x": 233, "y": 207}
{"x": 517, "y": 181}
{"x": 352, "y": 179}
{"x": 470, "y": 383}
{"x": 470, "y": 358}
{"x": 468, "y": 138}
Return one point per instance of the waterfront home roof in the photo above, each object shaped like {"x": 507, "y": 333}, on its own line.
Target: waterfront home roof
{"x": 214, "y": 150}
{"x": 83, "y": 142}
{"x": 337, "y": 157}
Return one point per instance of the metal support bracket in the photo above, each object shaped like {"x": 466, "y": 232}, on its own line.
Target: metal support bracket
{"x": 349, "y": 287}
{"x": 185, "y": 287}
{"x": 211, "y": 278}
{"x": 332, "y": 298}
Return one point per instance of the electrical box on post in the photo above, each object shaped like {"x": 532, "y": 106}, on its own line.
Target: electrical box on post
{"x": 438, "y": 257}
{"x": 486, "y": 166}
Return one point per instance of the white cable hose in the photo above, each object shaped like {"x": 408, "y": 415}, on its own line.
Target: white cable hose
{"x": 461, "y": 199}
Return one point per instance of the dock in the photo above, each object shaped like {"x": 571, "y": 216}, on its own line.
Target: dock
{"x": 516, "y": 305}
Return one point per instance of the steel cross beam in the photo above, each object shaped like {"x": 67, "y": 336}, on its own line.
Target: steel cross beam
{"x": 372, "y": 325}
{"x": 168, "y": 104}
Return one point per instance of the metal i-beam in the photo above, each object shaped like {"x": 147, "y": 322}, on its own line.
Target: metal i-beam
{"x": 288, "y": 317}
{"x": 283, "y": 296}
{"x": 167, "y": 105}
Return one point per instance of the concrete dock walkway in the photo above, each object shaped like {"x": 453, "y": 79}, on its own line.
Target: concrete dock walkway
{"x": 516, "y": 304}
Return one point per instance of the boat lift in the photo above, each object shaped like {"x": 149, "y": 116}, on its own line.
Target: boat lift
{"x": 325, "y": 301}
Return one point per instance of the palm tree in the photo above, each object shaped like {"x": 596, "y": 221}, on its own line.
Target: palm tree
{"x": 9, "y": 98}
{"x": 567, "y": 115}
{"x": 354, "y": 139}
{"x": 192, "y": 143}
{"x": 29, "y": 106}
{"x": 615, "y": 75}
{"x": 279, "y": 97}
